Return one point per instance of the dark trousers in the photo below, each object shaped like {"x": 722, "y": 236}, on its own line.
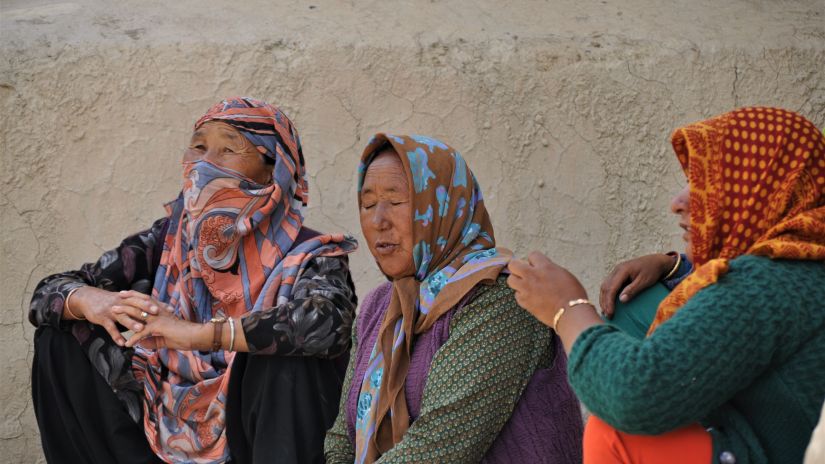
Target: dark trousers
{"x": 278, "y": 408}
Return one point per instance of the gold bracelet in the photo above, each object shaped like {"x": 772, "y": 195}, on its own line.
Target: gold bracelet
{"x": 675, "y": 266}
{"x": 66, "y": 304}
{"x": 570, "y": 304}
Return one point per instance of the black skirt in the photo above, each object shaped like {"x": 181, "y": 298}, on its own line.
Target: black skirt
{"x": 278, "y": 408}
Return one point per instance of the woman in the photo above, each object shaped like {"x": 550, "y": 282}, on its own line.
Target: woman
{"x": 732, "y": 368}
{"x": 231, "y": 270}
{"x": 444, "y": 366}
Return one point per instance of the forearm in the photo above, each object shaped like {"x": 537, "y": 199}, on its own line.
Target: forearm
{"x": 690, "y": 365}
{"x": 317, "y": 320}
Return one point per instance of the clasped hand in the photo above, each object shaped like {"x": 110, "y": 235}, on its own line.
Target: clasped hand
{"x": 153, "y": 324}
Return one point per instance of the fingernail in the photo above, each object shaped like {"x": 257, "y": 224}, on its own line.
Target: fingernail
{"x": 623, "y": 298}
{"x": 153, "y": 308}
{"x": 136, "y": 327}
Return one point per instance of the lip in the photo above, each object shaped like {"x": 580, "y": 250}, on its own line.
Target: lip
{"x": 385, "y": 248}
{"x": 686, "y": 228}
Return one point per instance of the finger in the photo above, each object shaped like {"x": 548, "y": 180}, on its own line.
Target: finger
{"x": 515, "y": 282}
{"x": 629, "y": 291}
{"x": 609, "y": 290}
{"x": 153, "y": 343}
{"x": 138, "y": 336}
{"x": 138, "y": 314}
{"x": 127, "y": 321}
{"x": 518, "y": 267}
{"x": 110, "y": 327}
{"x": 143, "y": 304}
{"x": 133, "y": 294}
{"x": 537, "y": 259}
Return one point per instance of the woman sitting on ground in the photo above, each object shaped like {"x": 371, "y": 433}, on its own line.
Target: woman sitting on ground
{"x": 235, "y": 350}
{"x": 731, "y": 370}
{"x": 445, "y": 367}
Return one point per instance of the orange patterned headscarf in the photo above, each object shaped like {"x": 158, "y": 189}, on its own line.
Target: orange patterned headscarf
{"x": 757, "y": 187}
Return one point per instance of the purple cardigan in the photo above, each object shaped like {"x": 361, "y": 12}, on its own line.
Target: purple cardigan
{"x": 546, "y": 425}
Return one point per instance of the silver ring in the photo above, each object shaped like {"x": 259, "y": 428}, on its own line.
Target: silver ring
{"x": 144, "y": 315}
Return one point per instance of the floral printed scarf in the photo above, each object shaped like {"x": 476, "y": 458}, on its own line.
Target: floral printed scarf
{"x": 454, "y": 250}
{"x": 757, "y": 186}
{"x": 230, "y": 249}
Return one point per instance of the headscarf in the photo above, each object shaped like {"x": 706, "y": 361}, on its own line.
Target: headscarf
{"x": 757, "y": 187}
{"x": 454, "y": 250}
{"x": 230, "y": 249}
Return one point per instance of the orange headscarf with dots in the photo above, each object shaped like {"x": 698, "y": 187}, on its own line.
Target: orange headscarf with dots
{"x": 757, "y": 187}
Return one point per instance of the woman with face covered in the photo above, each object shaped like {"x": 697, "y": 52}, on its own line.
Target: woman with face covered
{"x": 732, "y": 367}
{"x": 444, "y": 366}
{"x": 239, "y": 314}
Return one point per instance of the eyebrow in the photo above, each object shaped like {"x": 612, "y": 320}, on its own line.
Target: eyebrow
{"x": 371, "y": 189}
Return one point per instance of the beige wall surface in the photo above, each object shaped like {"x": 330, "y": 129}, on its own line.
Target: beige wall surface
{"x": 562, "y": 108}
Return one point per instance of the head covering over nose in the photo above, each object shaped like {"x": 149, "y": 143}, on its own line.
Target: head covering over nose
{"x": 230, "y": 249}
{"x": 454, "y": 250}
{"x": 757, "y": 186}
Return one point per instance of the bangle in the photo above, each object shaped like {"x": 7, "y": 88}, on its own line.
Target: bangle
{"x": 217, "y": 323}
{"x": 66, "y": 304}
{"x": 570, "y": 304}
{"x": 231, "y": 334}
{"x": 675, "y": 266}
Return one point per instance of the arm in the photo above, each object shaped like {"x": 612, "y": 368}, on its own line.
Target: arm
{"x": 338, "y": 449}
{"x": 316, "y": 322}
{"x": 475, "y": 380}
{"x": 633, "y": 276}
{"x": 716, "y": 345}
{"x": 131, "y": 265}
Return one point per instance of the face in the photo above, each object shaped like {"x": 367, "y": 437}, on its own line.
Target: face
{"x": 386, "y": 215}
{"x": 680, "y": 205}
{"x": 223, "y": 145}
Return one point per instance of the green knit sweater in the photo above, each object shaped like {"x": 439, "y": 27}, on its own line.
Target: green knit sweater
{"x": 744, "y": 357}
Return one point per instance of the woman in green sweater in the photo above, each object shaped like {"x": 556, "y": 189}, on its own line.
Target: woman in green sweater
{"x": 732, "y": 369}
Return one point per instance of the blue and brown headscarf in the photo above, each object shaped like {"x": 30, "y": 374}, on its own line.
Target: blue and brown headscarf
{"x": 454, "y": 250}
{"x": 230, "y": 249}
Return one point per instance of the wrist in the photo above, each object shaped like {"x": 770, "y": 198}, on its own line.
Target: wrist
{"x": 71, "y": 308}
{"x": 572, "y": 304}
{"x": 670, "y": 266}
{"x": 202, "y": 339}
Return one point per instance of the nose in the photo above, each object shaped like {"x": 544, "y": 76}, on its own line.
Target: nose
{"x": 381, "y": 218}
{"x": 680, "y": 203}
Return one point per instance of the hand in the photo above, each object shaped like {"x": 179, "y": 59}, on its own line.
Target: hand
{"x": 162, "y": 329}
{"x": 542, "y": 286}
{"x": 634, "y": 275}
{"x": 96, "y": 305}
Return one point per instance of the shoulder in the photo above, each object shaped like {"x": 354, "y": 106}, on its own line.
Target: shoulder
{"x": 755, "y": 285}
{"x": 495, "y": 303}
{"x": 493, "y": 295}
{"x": 759, "y": 275}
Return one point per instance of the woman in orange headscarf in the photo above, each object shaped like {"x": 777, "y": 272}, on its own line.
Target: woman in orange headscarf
{"x": 732, "y": 367}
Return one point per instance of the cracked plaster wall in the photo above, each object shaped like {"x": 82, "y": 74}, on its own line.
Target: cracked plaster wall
{"x": 564, "y": 121}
